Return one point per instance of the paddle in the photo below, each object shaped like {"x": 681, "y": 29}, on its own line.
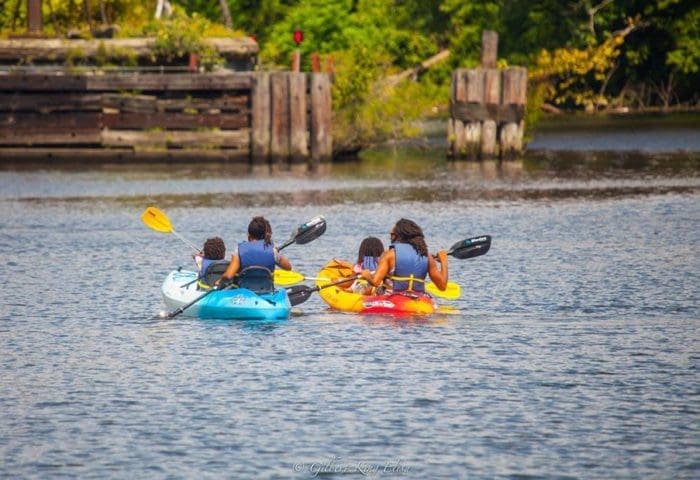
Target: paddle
{"x": 462, "y": 250}
{"x": 470, "y": 247}
{"x": 305, "y": 233}
{"x": 159, "y": 221}
{"x": 287, "y": 277}
{"x": 301, "y": 293}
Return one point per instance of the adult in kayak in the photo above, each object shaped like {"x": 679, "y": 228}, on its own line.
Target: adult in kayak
{"x": 256, "y": 254}
{"x": 407, "y": 261}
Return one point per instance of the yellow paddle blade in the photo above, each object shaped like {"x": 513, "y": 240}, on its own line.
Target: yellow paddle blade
{"x": 287, "y": 277}
{"x": 452, "y": 292}
{"x": 157, "y": 220}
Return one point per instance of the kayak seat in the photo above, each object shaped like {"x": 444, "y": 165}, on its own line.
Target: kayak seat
{"x": 213, "y": 273}
{"x": 256, "y": 279}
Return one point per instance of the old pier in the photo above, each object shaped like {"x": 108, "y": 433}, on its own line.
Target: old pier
{"x": 62, "y": 113}
{"x": 487, "y": 108}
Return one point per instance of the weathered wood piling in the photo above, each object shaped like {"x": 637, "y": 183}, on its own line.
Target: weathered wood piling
{"x": 487, "y": 108}
{"x": 253, "y": 117}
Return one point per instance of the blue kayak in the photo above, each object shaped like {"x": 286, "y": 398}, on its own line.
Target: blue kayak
{"x": 180, "y": 288}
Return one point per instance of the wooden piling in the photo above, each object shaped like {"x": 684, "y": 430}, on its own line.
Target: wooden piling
{"x": 279, "y": 131}
{"x": 321, "y": 137}
{"x": 475, "y": 98}
{"x": 487, "y": 107}
{"x": 489, "y": 49}
{"x": 492, "y": 99}
{"x": 298, "y": 137}
{"x": 459, "y": 95}
{"x": 261, "y": 120}
{"x": 514, "y": 99}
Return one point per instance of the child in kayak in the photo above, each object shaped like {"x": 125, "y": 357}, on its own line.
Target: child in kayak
{"x": 371, "y": 248}
{"x": 213, "y": 252}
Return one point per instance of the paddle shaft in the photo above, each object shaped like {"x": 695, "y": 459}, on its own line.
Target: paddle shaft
{"x": 301, "y": 293}
{"x": 177, "y": 312}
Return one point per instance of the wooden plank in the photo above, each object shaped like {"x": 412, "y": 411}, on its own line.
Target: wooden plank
{"x": 130, "y": 103}
{"x": 42, "y": 82}
{"x": 279, "y": 132}
{"x": 125, "y": 81}
{"x": 12, "y": 136}
{"x": 38, "y": 102}
{"x": 169, "y": 82}
{"x": 54, "y": 122}
{"x": 489, "y": 49}
{"x": 321, "y": 135}
{"x": 224, "y": 103}
{"x": 260, "y": 119}
{"x": 298, "y": 136}
{"x": 17, "y": 155}
{"x": 180, "y": 121}
{"x": 57, "y": 50}
{"x": 183, "y": 139}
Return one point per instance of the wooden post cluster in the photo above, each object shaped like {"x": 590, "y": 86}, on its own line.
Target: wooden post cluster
{"x": 487, "y": 108}
{"x": 291, "y": 118}
{"x": 123, "y": 116}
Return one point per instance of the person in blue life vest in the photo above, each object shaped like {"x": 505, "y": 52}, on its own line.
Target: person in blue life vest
{"x": 371, "y": 249}
{"x": 258, "y": 251}
{"x": 407, "y": 261}
{"x": 213, "y": 251}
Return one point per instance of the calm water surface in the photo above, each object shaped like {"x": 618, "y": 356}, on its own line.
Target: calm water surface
{"x": 574, "y": 352}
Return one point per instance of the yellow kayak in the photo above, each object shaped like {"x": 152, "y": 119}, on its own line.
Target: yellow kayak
{"x": 339, "y": 298}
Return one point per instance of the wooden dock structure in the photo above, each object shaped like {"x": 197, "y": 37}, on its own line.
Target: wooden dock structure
{"x": 487, "y": 108}
{"x": 253, "y": 117}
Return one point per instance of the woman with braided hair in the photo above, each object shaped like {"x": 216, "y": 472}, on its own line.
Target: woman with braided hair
{"x": 408, "y": 262}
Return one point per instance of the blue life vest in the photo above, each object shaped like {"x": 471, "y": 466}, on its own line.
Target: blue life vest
{"x": 256, "y": 254}
{"x": 370, "y": 263}
{"x": 409, "y": 263}
{"x": 206, "y": 263}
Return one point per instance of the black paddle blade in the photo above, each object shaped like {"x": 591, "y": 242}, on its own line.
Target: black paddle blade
{"x": 299, "y": 294}
{"x": 471, "y": 247}
{"x": 309, "y": 231}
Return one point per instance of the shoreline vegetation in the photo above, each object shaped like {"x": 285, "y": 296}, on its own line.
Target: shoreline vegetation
{"x": 392, "y": 61}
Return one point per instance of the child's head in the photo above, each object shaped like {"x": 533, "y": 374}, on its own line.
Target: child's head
{"x": 370, "y": 247}
{"x": 214, "y": 249}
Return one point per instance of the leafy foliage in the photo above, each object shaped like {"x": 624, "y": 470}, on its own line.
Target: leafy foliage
{"x": 180, "y": 35}
{"x": 580, "y": 53}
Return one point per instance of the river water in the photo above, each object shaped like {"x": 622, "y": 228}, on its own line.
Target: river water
{"x": 574, "y": 351}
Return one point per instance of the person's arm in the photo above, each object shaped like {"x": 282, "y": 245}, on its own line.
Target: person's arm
{"x": 282, "y": 262}
{"x": 438, "y": 276}
{"x": 232, "y": 268}
{"x": 385, "y": 265}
